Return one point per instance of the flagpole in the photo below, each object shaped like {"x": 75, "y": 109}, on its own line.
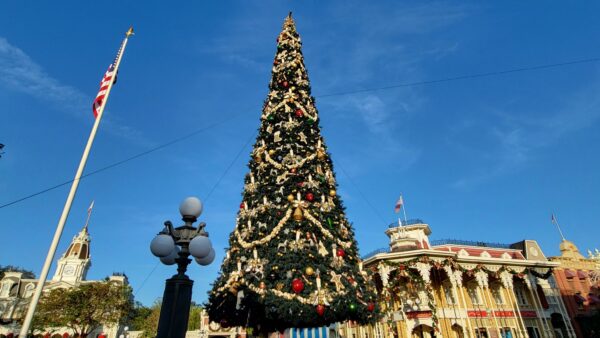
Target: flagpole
{"x": 555, "y": 221}
{"x": 403, "y": 210}
{"x": 67, "y": 208}
{"x": 87, "y": 221}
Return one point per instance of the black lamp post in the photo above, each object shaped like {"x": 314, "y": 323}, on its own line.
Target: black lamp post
{"x": 174, "y": 246}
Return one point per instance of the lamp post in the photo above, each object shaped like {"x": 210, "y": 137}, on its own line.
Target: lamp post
{"x": 174, "y": 246}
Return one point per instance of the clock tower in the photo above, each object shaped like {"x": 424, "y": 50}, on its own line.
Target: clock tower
{"x": 73, "y": 265}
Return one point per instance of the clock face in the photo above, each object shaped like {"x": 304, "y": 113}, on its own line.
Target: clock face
{"x": 69, "y": 270}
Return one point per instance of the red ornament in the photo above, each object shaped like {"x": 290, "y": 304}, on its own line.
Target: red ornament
{"x": 371, "y": 307}
{"x": 275, "y": 62}
{"x": 401, "y": 267}
{"x": 300, "y": 184}
{"x": 351, "y": 280}
{"x": 299, "y": 113}
{"x": 340, "y": 252}
{"x": 321, "y": 310}
{"x": 310, "y": 197}
{"x": 293, "y": 170}
{"x": 285, "y": 84}
{"x": 242, "y": 205}
{"x": 297, "y": 285}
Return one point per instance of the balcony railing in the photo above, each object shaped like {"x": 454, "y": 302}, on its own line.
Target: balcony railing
{"x": 407, "y": 222}
{"x": 469, "y": 243}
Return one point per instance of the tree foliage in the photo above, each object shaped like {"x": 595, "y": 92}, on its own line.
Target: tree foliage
{"x": 85, "y": 307}
{"x": 292, "y": 259}
{"x": 145, "y": 319}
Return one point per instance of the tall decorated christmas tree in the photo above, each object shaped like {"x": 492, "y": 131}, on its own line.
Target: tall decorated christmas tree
{"x": 293, "y": 260}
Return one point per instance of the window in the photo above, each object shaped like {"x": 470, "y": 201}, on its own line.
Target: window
{"x": 506, "y": 332}
{"x": 474, "y": 295}
{"x": 533, "y": 332}
{"x": 481, "y": 332}
{"x": 449, "y": 294}
{"x": 520, "y": 295}
{"x": 497, "y": 294}
{"x": 29, "y": 290}
{"x": 5, "y": 288}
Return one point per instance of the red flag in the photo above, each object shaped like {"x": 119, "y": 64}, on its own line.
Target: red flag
{"x": 399, "y": 204}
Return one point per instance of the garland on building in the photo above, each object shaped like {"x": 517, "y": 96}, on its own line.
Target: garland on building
{"x": 411, "y": 270}
{"x": 292, "y": 259}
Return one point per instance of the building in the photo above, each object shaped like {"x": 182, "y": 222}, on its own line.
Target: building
{"x": 451, "y": 288}
{"x": 72, "y": 267}
{"x": 578, "y": 279}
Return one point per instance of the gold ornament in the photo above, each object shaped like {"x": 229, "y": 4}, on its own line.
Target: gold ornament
{"x": 279, "y": 286}
{"x": 271, "y": 152}
{"x": 332, "y": 193}
{"x": 290, "y": 198}
{"x": 320, "y": 154}
{"x": 309, "y": 271}
{"x": 298, "y": 216}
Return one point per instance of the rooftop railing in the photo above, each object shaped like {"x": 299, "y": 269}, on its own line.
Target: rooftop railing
{"x": 470, "y": 243}
{"x": 407, "y": 222}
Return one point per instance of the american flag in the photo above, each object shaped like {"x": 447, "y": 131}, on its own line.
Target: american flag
{"x": 104, "y": 84}
{"x": 399, "y": 204}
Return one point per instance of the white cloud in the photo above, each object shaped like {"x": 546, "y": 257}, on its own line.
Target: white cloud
{"x": 18, "y": 72}
{"x": 516, "y": 136}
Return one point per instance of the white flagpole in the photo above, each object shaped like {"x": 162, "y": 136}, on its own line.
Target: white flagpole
{"x": 403, "y": 210}
{"x": 555, "y": 221}
{"x": 65, "y": 213}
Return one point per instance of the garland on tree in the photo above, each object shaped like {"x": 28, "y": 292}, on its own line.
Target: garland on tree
{"x": 292, "y": 259}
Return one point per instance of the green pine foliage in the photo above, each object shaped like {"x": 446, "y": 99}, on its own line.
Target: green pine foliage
{"x": 293, "y": 260}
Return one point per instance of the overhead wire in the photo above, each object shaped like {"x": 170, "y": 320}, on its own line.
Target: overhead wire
{"x": 358, "y": 91}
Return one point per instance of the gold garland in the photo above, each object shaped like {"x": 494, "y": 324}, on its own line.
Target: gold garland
{"x": 267, "y": 238}
{"x": 293, "y": 166}
{"x": 325, "y": 231}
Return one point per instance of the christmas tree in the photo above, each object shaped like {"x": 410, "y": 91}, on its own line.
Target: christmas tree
{"x": 292, "y": 260}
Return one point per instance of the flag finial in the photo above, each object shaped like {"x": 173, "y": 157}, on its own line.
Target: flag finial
{"x": 129, "y": 32}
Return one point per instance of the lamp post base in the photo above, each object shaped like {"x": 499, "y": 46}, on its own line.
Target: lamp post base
{"x": 175, "y": 309}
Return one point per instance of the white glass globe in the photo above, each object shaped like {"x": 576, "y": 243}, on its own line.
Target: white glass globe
{"x": 208, "y": 259}
{"x": 200, "y": 246}
{"x": 170, "y": 259}
{"x": 162, "y": 245}
{"x": 191, "y": 206}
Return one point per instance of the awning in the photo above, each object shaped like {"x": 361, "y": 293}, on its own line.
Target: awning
{"x": 570, "y": 273}
{"x": 582, "y": 274}
{"x": 593, "y": 299}
{"x": 579, "y": 298}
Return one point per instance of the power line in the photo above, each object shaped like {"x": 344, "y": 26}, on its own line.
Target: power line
{"x": 339, "y": 165}
{"x": 115, "y": 164}
{"x": 409, "y": 84}
{"x": 464, "y": 77}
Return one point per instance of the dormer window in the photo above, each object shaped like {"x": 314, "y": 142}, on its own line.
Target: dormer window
{"x": 29, "y": 290}
{"x": 5, "y": 288}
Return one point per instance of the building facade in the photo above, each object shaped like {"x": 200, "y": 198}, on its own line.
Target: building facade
{"x": 72, "y": 267}
{"x": 578, "y": 279}
{"x": 462, "y": 289}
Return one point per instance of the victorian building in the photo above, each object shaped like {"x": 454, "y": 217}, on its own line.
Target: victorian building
{"x": 451, "y": 288}
{"x": 72, "y": 267}
{"x": 578, "y": 279}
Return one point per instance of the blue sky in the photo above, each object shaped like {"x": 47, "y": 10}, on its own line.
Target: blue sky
{"x": 484, "y": 159}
